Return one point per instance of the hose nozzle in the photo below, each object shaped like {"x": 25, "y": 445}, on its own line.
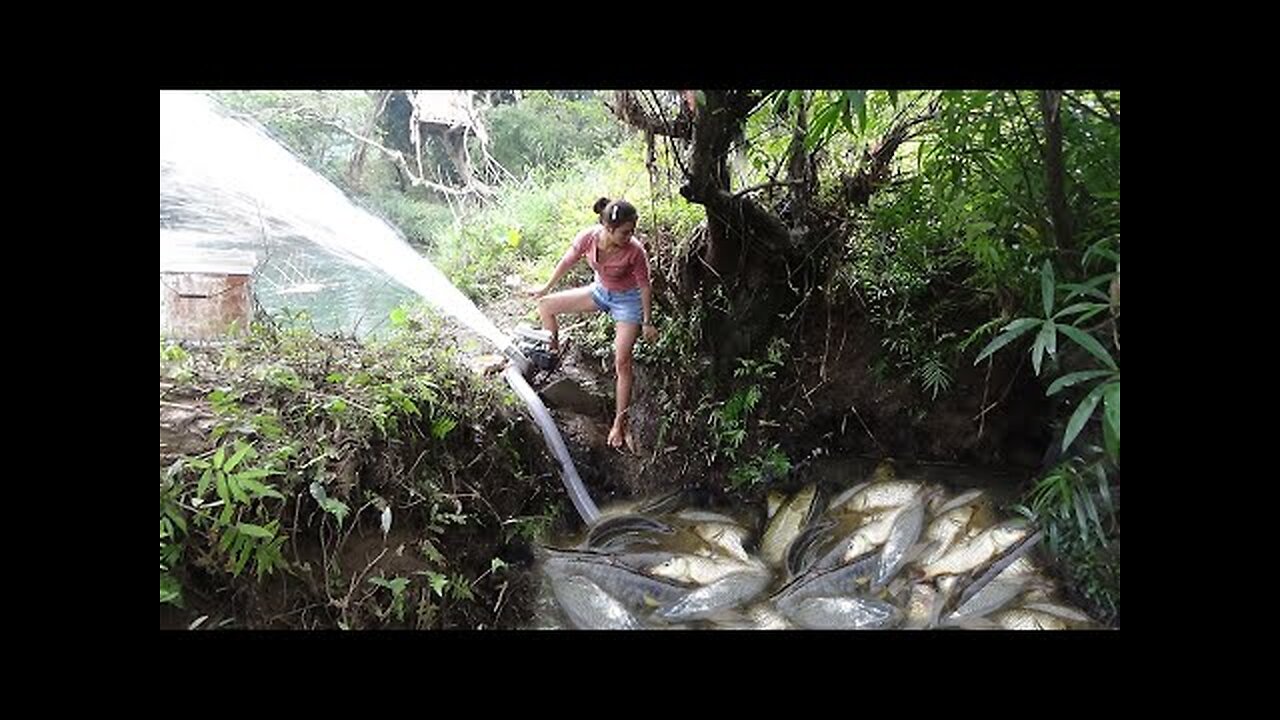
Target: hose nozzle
{"x": 517, "y": 358}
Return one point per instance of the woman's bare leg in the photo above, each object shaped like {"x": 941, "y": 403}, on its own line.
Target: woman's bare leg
{"x": 577, "y": 300}
{"x": 625, "y": 343}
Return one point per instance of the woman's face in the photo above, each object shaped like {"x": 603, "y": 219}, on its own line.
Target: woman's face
{"x": 621, "y": 233}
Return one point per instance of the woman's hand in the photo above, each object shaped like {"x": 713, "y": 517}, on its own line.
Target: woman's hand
{"x": 650, "y": 332}
{"x": 537, "y": 293}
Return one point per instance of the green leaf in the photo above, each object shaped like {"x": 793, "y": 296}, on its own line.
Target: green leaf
{"x": 235, "y": 459}
{"x": 221, "y": 480}
{"x": 860, "y": 102}
{"x": 219, "y": 455}
{"x": 268, "y": 426}
{"x": 1089, "y": 315}
{"x": 242, "y": 558}
{"x": 1046, "y": 287}
{"x": 1111, "y": 438}
{"x": 1070, "y": 379}
{"x": 236, "y": 491}
{"x": 1037, "y": 350}
{"x": 170, "y": 590}
{"x": 787, "y": 100}
{"x": 818, "y": 130}
{"x": 408, "y": 406}
{"x": 1099, "y": 249}
{"x": 335, "y": 507}
{"x": 975, "y": 229}
{"x": 228, "y": 537}
{"x": 1093, "y": 513}
{"x": 1082, "y": 414}
{"x": 201, "y": 487}
{"x": 1050, "y": 332}
{"x": 438, "y": 582}
{"x": 441, "y": 427}
{"x": 258, "y": 488}
{"x": 255, "y": 473}
{"x": 1079, "y": 307}
{"x": 461, "y": 588}
{"x": 1104, "y": 488}
{"x": 399, "y": 317}
{"x": 1111, "y": 414}
{"x": 176, "y": 516}
{"x": 496, "y": 564}
{"x": 1087, "y": 342}
{"x": 395, "y": 585}
{"x": 1078, "y": 289}
{"x": 1081, "y": 519}
{"x": 893, "y": 98}
{"x": 1011, "y": 333}
{"x": 432, "y": 553}
{"x": 254, "y": 530}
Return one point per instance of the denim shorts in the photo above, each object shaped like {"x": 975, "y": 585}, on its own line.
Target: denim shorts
{"x": 622, "y": 305}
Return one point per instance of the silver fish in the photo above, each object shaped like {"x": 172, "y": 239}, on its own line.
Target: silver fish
{"x": 634, "y": 588}
{"x": 904, "y": 533}
{"x": 729, "y": 591}
{"x": 845, "y": 613}
{"x": 785, "y": 525}
{"x": 589, "y": 607}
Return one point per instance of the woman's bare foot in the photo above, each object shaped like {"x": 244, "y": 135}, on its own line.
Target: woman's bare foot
{"x": 617, "y": 436}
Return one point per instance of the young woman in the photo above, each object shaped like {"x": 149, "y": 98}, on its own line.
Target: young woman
{"x": 621, "y": 288}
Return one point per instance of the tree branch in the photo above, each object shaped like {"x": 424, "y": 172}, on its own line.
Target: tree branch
{"x": 415, "y": 179}
{"x": 1080, "y": 104}
{"x": 872, "y": 175}
{"x": 629, "y": 109}
{"x": 763, "y": 186}
{"x": 1115, "y": 116}
{"x": 675, "y": 153}
{"x": 1022, "y": 166}
{"x": 1035, "y": 139}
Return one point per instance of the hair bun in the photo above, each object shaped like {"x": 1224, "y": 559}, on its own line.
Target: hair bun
{"x": 600, "y": 205}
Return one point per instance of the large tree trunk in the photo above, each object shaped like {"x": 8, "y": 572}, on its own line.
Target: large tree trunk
{"x": 751, "y": 255}
{"x": 356, "y": 167}
{"x": 800, "y": 171}
{"x": 1050, "y": 103}
{"x": 454, "y": 141}
{"x": 747, "y": 246}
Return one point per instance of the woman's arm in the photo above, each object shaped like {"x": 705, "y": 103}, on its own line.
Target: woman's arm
{"x": 563, "y": 267}
{"x": 575, "y": 252}
{"x": 641, "y": 275}
{"x": 647, "y": 330}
